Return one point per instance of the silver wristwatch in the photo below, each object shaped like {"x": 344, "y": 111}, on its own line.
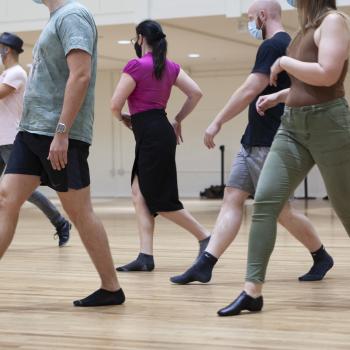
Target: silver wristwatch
{"x": 61, "y": 128}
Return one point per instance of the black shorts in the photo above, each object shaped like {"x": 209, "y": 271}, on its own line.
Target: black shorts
{"x": 29, "y": 157}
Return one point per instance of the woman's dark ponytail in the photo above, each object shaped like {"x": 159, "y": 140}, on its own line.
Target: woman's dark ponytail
{"x": 159, "y": 53}
{"x": 156, "y": 39}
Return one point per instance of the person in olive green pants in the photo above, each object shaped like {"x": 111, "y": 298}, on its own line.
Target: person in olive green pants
{"x": 316, "y": 134}
{"x": 315, "y": 129}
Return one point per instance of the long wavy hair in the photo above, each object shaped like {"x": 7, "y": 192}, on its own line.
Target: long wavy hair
{"x": 312, "y": 12}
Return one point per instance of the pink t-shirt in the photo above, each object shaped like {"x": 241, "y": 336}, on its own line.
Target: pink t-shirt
{"x": 149, "y": 92}
{"x": 11, "y": 106}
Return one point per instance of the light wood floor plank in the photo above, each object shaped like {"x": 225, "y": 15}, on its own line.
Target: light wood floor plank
{"x": 39, "y": 281}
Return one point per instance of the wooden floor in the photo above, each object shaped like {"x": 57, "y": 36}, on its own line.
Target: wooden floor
{"x": 38, "y": 282}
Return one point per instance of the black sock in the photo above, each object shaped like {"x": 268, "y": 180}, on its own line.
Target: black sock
{"x": 143, "y": 262}
{"x": 102, "y": 297}
{"x": 322, "y": 263}
{"x": 200, "y": 271}
{"x": 203, "y": 245}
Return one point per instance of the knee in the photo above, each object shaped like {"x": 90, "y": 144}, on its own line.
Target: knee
{"x": 3, "y": 198}
{"x": 74, "y": 214}
{"x": 266, "y": 207}
{"x": 8, "y": 201}
{"x": 234, "y": 197}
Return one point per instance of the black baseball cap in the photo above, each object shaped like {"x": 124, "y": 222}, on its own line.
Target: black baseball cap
{"x": 12, "y": 41}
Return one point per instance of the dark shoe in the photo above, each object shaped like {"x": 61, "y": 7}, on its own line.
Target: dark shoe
{"x": 243, "y": 302}
{"x": 318, "y": 270}
{"x": 63, "y": 233}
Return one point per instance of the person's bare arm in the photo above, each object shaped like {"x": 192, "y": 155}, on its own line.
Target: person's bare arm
{"x": 332, "y": 39}
{"x": 240, "y": 100}
{"x": 6, "y": 90}
{"x": 79, "y": 64}
{"x": 123, "y": 90}
{"x": 193, "y": 92}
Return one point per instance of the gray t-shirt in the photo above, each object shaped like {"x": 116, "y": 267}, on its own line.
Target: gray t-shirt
{"x": 70, "y": 27}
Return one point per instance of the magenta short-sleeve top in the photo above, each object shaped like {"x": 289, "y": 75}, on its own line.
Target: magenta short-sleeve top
{"x": 149, "y": 92}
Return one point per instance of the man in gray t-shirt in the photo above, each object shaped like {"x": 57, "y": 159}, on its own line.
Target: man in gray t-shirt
{"x": 55, "y": 133}
{"x": 71, "y": 27}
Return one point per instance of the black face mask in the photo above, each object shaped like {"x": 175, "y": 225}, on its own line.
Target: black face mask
{"x": 138, "y": 49}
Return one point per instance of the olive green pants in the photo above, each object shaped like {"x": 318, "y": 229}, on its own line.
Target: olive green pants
{"x": 318, "y": 134}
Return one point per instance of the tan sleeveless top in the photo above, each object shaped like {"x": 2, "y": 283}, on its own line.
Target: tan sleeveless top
{"x": 303, "y": 48}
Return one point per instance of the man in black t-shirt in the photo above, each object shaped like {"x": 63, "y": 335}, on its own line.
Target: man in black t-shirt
{"x": 264, "y": 23}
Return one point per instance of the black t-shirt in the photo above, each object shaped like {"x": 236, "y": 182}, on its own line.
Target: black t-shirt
{"x": 261, "y": 131}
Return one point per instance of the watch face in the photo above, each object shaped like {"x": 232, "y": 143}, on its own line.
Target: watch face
{"x": 61, "y": 128}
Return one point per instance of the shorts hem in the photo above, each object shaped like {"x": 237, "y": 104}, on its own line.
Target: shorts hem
{"x": 20, "y": 171}
{"x": 66, "y": 189}
{"x": 155, "y": 212}
{"x": 241, "y": 188}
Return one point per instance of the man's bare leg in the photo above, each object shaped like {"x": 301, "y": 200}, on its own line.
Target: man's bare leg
{"x": 14, "y": 191}
{"x": 226, "y": 229}
{"x": 77, "y": 204}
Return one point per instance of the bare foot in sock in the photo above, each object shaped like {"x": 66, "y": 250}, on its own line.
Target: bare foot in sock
{"x": 200, "y": 271}
{"x": 143, "y": 262}
{"x": 102, "y": 297}
{"x": 323, "y": 262}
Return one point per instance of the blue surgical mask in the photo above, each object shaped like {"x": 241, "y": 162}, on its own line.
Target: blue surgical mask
{"x": 293, "y": 3}
{"x": 254, "y": 31}
{"x": 38, "y": 1}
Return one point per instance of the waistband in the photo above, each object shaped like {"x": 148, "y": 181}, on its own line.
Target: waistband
{"x": 318, "y": 107}
{"x": 155, "y": 113}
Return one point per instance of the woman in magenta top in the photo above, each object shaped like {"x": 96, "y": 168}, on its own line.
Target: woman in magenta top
{"x": 146, "y": 84}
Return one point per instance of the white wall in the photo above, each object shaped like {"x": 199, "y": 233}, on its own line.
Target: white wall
{"x": 25, "y": 15}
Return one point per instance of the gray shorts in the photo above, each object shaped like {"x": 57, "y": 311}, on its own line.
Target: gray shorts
{"x": 246, "y": 168}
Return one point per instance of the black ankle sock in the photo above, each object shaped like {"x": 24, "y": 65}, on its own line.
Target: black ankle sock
{"x": 319, "y": 254}
{"x": 143, "y": 262}
{"x": 322, "y": 263}
{"x": 102, "y": 297}
{"x": 200, "y": 271}
{"x": 203, "y": 245}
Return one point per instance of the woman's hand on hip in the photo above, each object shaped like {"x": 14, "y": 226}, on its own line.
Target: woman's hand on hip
{"x": 178, "y": 131}
{"x": 126, "y": 120}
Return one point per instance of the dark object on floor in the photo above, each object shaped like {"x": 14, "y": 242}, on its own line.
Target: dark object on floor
{"x": 216, "y": 191}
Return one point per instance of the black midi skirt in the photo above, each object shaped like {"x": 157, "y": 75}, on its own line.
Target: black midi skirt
{"x": 154, "y": 163}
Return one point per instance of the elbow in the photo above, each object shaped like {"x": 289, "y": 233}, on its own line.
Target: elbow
{"x": 196, "y": 95}
{"x": 329, "y": 78}
{"x": 83, "y": 78}
{"x": 329, "y": 82}
{"x": 116, "y": 110}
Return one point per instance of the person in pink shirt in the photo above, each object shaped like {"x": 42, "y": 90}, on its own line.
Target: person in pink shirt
{"x": 12, "y": 86}
{"x": 146, "y": 84}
